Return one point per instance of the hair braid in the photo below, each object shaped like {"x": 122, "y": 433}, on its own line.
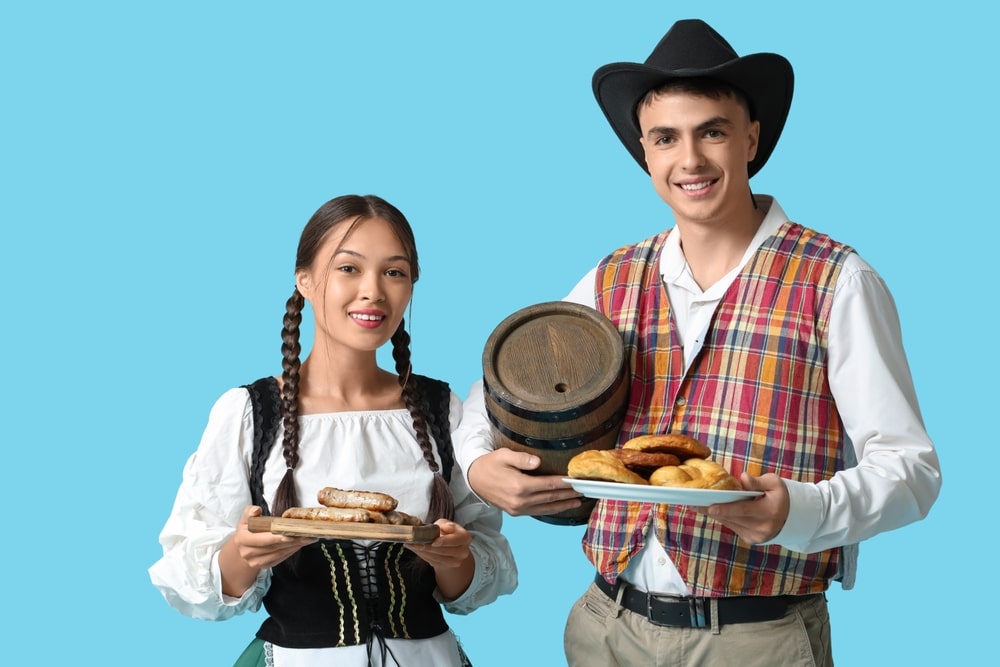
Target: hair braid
{"x": 442, "y": 504}
{"x": 286, "y": 496}
{"x": 439, "y": 429}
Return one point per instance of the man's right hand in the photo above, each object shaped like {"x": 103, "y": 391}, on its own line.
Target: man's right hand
{"x": 502, "y": 478}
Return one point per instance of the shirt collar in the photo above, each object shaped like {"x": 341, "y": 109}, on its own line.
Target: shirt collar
{"x": 674, "y": 268}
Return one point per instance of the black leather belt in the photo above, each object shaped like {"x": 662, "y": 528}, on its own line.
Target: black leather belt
{"x": 690, "y": 612}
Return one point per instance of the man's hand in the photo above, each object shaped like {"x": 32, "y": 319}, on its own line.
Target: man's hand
{"x": 757, "y": 519}
{"x": 501, "y": 478}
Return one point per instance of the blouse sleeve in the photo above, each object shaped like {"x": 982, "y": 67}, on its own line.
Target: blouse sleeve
{"x": 496, "y": 571}
{"x": 214, "y": 491}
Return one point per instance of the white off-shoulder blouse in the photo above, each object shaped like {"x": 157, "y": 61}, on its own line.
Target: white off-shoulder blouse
{"x": 368, "y": 450}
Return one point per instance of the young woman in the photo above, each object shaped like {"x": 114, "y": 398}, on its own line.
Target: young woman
{"x": 346, "y": 423}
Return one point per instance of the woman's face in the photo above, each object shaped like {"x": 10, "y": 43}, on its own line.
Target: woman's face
{"x": 359, "y": 287}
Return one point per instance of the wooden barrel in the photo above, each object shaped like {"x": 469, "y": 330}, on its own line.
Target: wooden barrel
{"x": 556, "y": 384}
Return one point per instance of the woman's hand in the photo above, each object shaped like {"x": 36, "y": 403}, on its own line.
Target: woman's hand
{"x": 245, "y": 554}
{"x": 451, "y": 558}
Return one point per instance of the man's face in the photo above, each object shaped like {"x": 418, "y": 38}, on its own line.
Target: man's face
{"x": 697, "y": 149}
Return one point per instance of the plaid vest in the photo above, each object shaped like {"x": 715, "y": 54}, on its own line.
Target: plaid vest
{"x": 756, "y": 393}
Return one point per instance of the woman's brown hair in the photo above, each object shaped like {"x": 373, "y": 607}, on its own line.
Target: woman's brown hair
{"x": 353, "y": 210}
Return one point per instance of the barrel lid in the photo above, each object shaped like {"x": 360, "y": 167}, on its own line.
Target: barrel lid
{"x": 552, "y": 356}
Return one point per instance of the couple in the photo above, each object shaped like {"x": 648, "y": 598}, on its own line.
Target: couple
{"x": 774, "y": 344}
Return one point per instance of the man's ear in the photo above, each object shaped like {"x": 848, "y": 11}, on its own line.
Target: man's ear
{"x": 754, "y": 140}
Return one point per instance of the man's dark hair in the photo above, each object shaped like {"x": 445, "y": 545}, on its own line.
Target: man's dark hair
{"x": 704, "y": 86}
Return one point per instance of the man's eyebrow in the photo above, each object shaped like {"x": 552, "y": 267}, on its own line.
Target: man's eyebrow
{"x": 660, "y": 130}
{"x": 715, "y": 121}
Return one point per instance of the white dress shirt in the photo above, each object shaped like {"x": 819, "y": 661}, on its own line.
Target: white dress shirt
{"x": 894, "y": 477}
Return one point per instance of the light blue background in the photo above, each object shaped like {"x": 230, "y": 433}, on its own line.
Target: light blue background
{"x": 158, "y": 160}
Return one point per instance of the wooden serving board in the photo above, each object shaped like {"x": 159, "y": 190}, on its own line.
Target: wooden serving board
{"x": 344, "y": 529}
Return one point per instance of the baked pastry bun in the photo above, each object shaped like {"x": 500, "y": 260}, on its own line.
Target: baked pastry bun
{"x": 695, "y": 473}
{"x": 678, "y": 444}
{"x": 667, "y": 459}
{"x": 603, "y": 465}
{"x": 644, "y": 463}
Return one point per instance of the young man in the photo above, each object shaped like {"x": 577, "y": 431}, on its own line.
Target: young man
{"x": 773, "y": 344}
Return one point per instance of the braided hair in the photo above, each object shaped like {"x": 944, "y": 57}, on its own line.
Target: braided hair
{"x": 442, "y": 503}
{"x": 355, "y": 209}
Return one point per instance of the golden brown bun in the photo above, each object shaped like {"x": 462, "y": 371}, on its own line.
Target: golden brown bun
{"x": 669, "y": 476}
{"x": 602, "y": 465}
{"x": 644, "y": 463}
{"x": 678, "y": 444}
{"x": 695, "y": 473}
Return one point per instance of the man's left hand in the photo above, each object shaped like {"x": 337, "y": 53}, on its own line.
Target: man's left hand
{"x": 756, "y": 519}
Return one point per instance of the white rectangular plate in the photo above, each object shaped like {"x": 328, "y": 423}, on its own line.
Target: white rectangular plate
{"x": 666, "y": 495}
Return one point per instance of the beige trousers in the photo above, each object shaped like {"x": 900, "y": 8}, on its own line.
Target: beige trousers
{"x": 600, "y": 633}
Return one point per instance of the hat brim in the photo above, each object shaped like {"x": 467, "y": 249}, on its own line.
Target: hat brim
{"x": 765, "y": 78}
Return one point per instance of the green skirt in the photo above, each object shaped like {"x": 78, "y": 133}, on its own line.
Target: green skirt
{"x": 253, "y": 655}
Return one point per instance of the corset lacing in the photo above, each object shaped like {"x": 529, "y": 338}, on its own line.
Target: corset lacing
{"x": 369, "y": 587}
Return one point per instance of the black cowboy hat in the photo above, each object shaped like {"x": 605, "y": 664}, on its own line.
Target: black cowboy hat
{"x": 691, "y": 48}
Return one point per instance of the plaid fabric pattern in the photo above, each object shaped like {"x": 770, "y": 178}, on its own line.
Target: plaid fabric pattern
{"x": 757, "y": 394}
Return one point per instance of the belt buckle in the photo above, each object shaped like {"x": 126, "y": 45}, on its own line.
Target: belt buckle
{"x": 696, "y": 609}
